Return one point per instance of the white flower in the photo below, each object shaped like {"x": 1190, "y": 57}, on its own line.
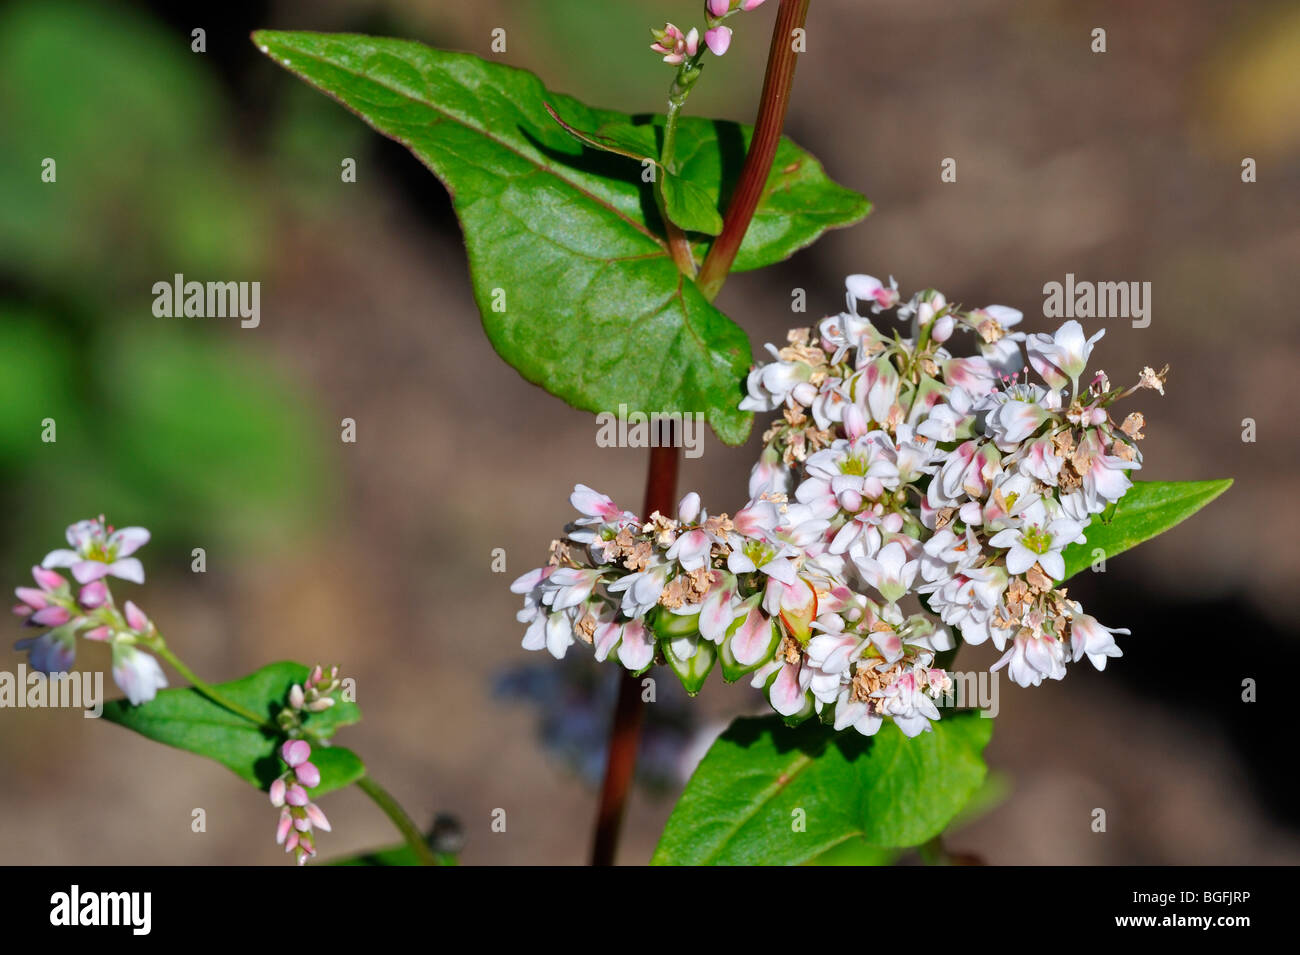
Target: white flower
{"x": 1061, "y": 357}
{"x": 1089, "y": 637}
{"x": 868, "y": 288}
{"x": 138, "y": 674}
{"x": 100, "y": 551}
{"x": 1039, "y": 539}
{"x": 1032, "y": 658}
{"x": 890, "y": 572}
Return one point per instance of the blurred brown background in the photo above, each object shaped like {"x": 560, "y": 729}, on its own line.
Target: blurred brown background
{"x": 1117, "y": 166}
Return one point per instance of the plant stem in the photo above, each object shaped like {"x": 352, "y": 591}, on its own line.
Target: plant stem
{"x": 409, "y": 830}
{"x": 660, "y": 495}
{"x": 678, "y": 244}
{"x": 781, "y": 59}
{"x": 206, "y": 689}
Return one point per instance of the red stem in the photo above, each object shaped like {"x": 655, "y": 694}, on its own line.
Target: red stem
{"x": 781, "y": 60}
{"x": 660, "y": 495}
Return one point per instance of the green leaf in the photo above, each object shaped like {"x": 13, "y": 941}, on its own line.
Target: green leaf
{"x": 186, "y": 719}
{"x": 1149, "y": 508}
{"x": 690, "y": 205}
{"x": 739, "y": 808}
{"x": 799, "y": 201}
{"x": 576, "y": 290}
{"x": 398, "y": 855}
{"x": 594, "y": 309}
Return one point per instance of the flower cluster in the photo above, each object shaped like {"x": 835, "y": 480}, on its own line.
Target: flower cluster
{"x": 298, "y": 814}
{"x": 97, "y": 552}
{"x": 311, "y": 696}
{"x": 897, "y": 473}
{"x": 677, "y": 47}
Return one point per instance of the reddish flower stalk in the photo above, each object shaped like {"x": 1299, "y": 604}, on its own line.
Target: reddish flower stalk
{"x": 660, "y": 495}
{"x": 781, "y": 60}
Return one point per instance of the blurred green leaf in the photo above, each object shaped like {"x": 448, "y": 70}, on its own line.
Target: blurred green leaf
{"x": 1149, "y": 508}
{"x": 188, "y": 720}
{"x": 740, "y": 805}
{"x": 133, "y": 122}
{"x": 399, "y": 855}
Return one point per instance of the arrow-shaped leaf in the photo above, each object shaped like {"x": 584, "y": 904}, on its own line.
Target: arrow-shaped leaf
{"x": 1149, "y": 508}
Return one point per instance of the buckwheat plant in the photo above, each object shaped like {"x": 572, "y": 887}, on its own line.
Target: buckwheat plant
{"x": 931, "y": 474}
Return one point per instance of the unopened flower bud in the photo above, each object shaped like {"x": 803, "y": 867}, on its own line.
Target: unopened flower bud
{"x": 277, "y": 792}
{"x": 718, "y": 8}
{"x": 295, "y": 752}
{"x": 718, "y": 39}
{"x": 308, "y": 775}
{"x": 296, "y": 699}
{"x": 94, "y": 594}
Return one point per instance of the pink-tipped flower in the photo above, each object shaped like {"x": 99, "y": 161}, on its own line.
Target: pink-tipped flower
{"x": 284, "y": 826}
{"x": 295, "y": 795}
{"x": 94, "y": 594}
{"x": 316, "y": 816}
{"x": 296, "y": 698}
{"x": 136, "y": 619}
{"x": 97, "y": 550}
{"x": 718, "y": 8}
{"x": 748, "y": 5}
{"x": 295, "y": 752}
{"x": 51, "y": 585}
{"x": 278, "y": 789}
{"x": 50, "y": 617}
{"x": 718, "y": 39}
{"x": 675, "y": 46}
{"x": 307, "y": 774}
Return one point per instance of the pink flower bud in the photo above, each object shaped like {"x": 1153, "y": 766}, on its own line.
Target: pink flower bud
{"x": 51, "y": 617}
{"x": 296, "y": 796}
{"x": 942, "y": 330}
{"x": 99, "y": 633}
{"x": 315, "y": 676}
{"x": 316, "y": 816}
{"x": 32, "y": 598}
{"x": 693, "y": 42}
{"x": 302, "y": 823}
{"x": 296, "y": 698}
{"x": 277, "y": 793}
{"x": 296, "y": 751}
{"x": 718, "y": 40}
{"x": 283, "y": 826}
{"x": 718, "y": 8}
{"x": 291, "y": 843}
{"x": 94, "y": 594}
{"x": 135, "y": 618}
{"x": 308, "y": 775}
{"x": 748, "y": 5}
{"x": 319, "y": 706}
{"x": 48, "y": 580}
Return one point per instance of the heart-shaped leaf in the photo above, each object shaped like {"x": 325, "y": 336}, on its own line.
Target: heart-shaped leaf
{"x": 188, "y": 720}
{"x": 576, "y": 287}
{"x": 774, "y": 795}
{"x": 1149, "y": 508}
